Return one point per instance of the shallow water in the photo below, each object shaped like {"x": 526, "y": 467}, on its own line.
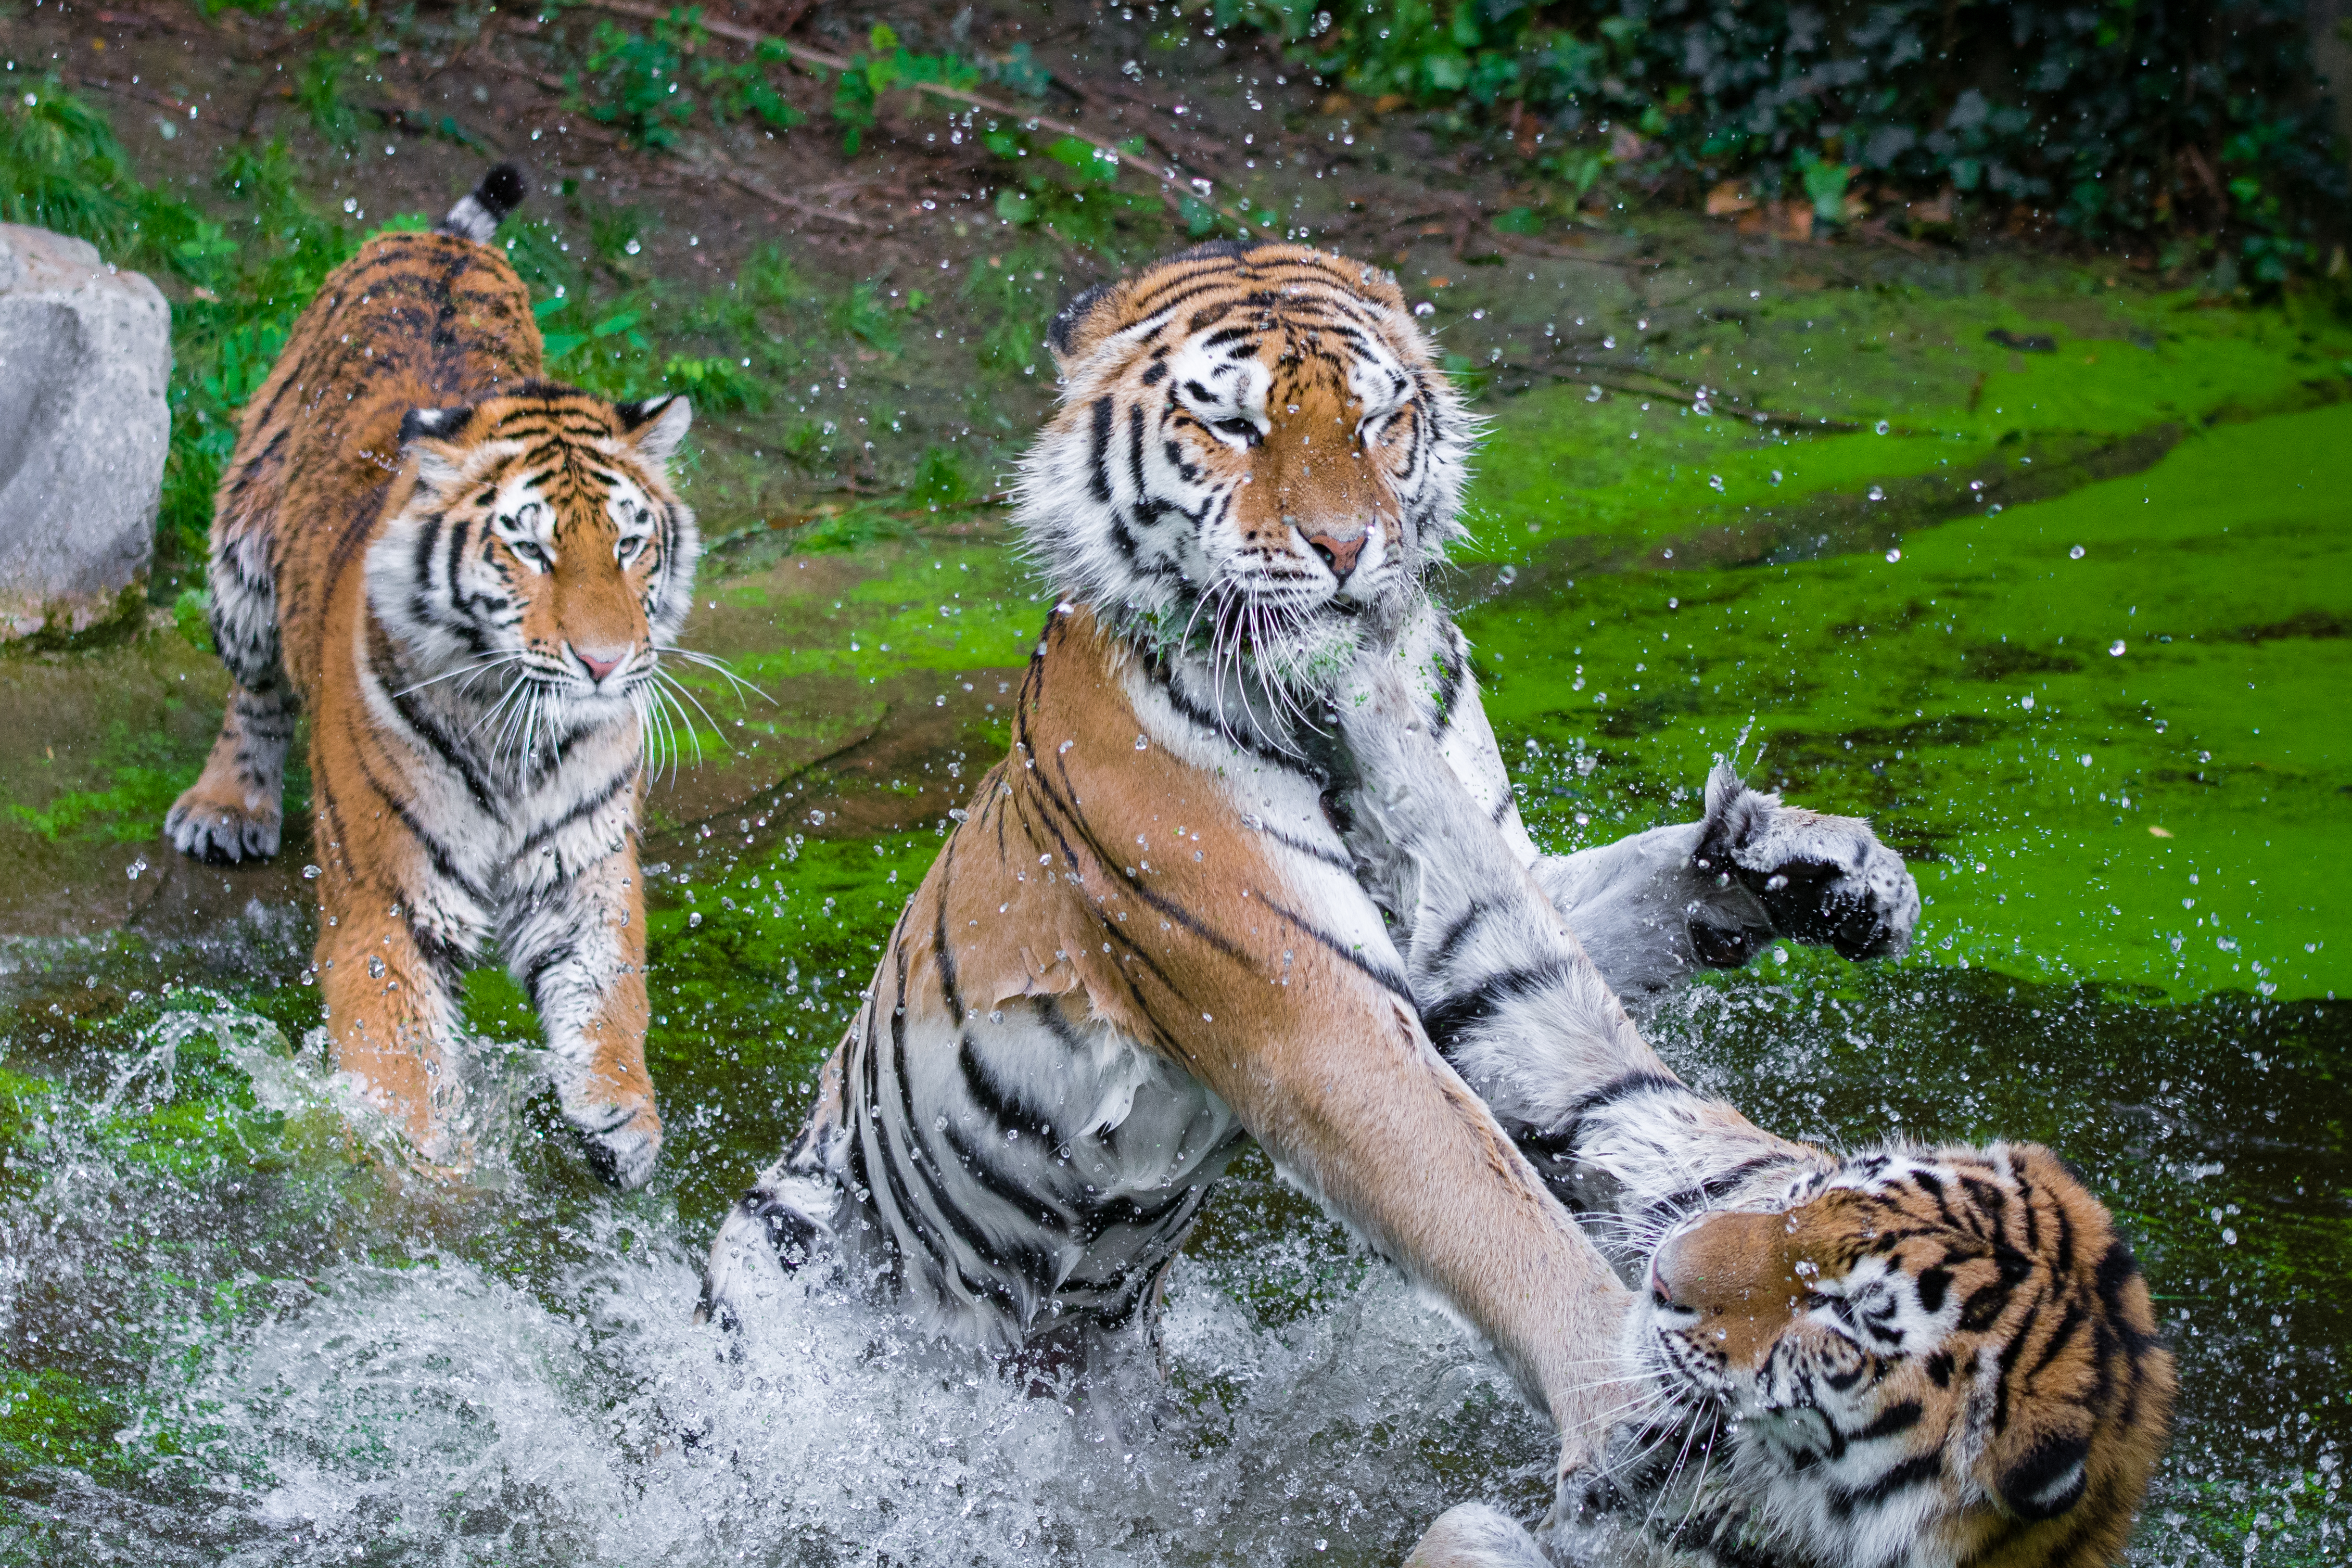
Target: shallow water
{"x": 232, "y": 1329}
{"x": 236, "y": 1335}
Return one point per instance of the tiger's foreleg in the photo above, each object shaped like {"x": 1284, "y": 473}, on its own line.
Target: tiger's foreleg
{"x": 235, "y": 809}
{"x": 392, "y": 1010}
{"x": 1510, "y": 997}
{"x": 576, "y": 944}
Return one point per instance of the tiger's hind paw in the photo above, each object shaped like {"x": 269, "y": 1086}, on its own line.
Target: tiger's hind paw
{"x": 1475, "y": 1535}
{"x": 1823, "y": 881}
{"x": 622, "y": 1142}
{"x": 223, "y": 826}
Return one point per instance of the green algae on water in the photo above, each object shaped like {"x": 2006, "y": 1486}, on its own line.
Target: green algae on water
{"x": 2107, "y": 728}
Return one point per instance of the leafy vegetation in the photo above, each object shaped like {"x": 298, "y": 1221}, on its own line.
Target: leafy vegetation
{"x": 650, "y": 84}
{"x": 2175, "y": 128}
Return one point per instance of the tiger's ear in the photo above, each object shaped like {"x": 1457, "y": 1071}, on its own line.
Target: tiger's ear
{"x": 1081, "y": 324}
{"x": 440, "y": 424}
{"x": 2047, "y": 1477}
{"x": 657, "y": 426}
{"x": 432, "y": 424}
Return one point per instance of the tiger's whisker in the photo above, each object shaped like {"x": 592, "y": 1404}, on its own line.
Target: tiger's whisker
{"x": 680, "y": 689}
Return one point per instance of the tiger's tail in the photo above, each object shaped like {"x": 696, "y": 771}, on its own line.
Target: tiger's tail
{"x": 477, "y": 216}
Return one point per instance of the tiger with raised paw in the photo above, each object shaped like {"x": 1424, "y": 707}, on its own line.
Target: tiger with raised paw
{"x": 466, "y": 575}
{"x": 1146, "y": 943}
{"x": 1909, "y": 1356}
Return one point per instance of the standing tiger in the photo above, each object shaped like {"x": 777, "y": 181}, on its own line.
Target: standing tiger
{"x": 1146, "y": 942}
{"x": 466, "y": 575}
{"x": 1929, "y": 1357}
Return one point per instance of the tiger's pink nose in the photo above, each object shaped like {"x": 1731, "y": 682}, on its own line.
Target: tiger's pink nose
{"x": 600, "y": 661}
{"x": 1337, "y": 554}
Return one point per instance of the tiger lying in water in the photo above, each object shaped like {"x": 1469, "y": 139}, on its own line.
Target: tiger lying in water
{"x": 469, "y": 576}
{"x": 1921, "y": 1356}
{"x": 1146, "y": 943}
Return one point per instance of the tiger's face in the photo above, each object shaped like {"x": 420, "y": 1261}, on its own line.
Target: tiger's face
{"x": 1939, "y": 1358}
{"x": 1254, "y": 450}
{"x": 541, "y": 550}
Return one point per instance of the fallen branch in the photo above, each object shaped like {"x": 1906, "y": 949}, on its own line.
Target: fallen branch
{"x": 126, "y": 90}
{"x": 1526, "y": 245}
{"x": 1175, "y": 183}
{"x": 1708, "y": 404}
{"x": 751, "y": 187}
{"x": 733, "y": 176}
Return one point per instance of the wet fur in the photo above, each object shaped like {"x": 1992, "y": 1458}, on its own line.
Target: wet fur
{"x": 1144, "y": 942}
{"x": 1254, "y": 466}
{"x": 413, "y": 541}
{"x": 1920, "y": 1357}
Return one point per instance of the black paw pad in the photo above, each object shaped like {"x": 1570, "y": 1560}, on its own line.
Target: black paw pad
{"x": 791, "y": 1234}
{"x": 1824, "y": 904}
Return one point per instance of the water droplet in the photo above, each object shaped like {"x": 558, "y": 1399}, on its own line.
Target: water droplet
{"x": 1776, "y": 475}
{"x": 375, "y": 966}
{"x": 1424, "y": 309}
{"x": 1142, "y": 744}
{"x": 2075, "y": 554}
{"x": 694, "y": 919}
{"x": 1876, "y": 494}
{"x": 1893, "y": 556}
{"x": 1880, "y": 427}
{"x": 311, "y": 874}
{"x": 2115, "y": 648}
{"x": 2026, "y": 701}
{"x": 633, "y": 247}
{"x": 1714, "y": 483}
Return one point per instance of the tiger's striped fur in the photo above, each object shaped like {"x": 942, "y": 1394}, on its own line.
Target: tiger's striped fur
{"x": 466, "y": 575}
{"x": 1145, "y": 940}
{"x": 1928, "y": 1357}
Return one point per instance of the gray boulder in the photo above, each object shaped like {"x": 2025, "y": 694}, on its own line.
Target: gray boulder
{"x": 84, "y": 353}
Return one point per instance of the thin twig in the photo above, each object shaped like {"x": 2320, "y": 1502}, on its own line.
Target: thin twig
{"x": 1714, "y": 404}
{"x": 125, "y": 89}
{"x": 745, "y": 184}
{"x": 1526, "y": 245}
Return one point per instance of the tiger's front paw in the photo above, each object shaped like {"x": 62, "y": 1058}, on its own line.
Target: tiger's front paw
{"x": 1825, "y": 880}
{"x": 209, "y": 822}
{"x": 776, "y": 1229}
{"x": 621, "y": 1140}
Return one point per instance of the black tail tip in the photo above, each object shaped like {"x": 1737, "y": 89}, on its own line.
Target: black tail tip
{"x": 502, "y": 190}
